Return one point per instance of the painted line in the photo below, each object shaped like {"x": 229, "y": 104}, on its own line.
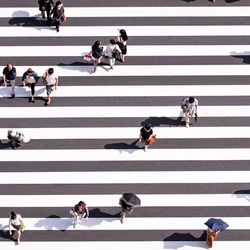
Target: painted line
{"x": 142, "y": 50}
{"x": 124, "y": 245}
{"x": 215, "y": 154}
{"x": 134, "y": 12}
{"x": 131, "y": 177}
{"x": 147, "y": 200}
{"x": 135, "y": 90}
{"x": 130, "y": 133}
{"x": 142, "y": 70}
{"x": 184, "y": 223}
{"x": 99, "y": 31}
{"x": 119, "y": 111}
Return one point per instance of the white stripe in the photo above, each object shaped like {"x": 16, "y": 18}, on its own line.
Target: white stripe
{"x": 119, "y": 111}
{"x": 149, "y": 223}
{"x": 135, "y": 90}
{"x": 131, "y": 133}
{"x": 98, "y": 31}
{"x": 124, "y": 245}
{"x": 142, "y": 50}
{"x": 125, "y": 155}
{"x": 134, "y": 11}
{"x": 147, "y": 200}
{"x": 142, "y": 70}
{"x": 131, "y": 177}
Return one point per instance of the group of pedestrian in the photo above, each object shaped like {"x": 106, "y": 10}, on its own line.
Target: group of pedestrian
{"x": 30, "y": 79}
{"x": 116, "y": 50}
{"x": 55, "y": 12}
{"x": 127, "y": 202}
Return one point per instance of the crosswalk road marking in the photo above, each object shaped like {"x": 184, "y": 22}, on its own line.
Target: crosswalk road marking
{"x": 173, "y": 52}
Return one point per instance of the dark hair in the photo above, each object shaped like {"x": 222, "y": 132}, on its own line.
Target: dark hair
{"x": 96, "y": 45}
{"x": 124, "y": 35}
{"x": 9, "y": 64}
{"x": 81, "y": 203}
{"x": 58, "y": 3}
{"x": 29, "y": 71}
{"x": 191, "y": 99}
{"x": 12, "y": 215}
{"x": 112, "y": 41}
{"x": 147, "y": 126}
{"x": 50, "y": 70}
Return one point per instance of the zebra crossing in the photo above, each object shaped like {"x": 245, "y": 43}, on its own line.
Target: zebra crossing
{"x": 84, "y": 145}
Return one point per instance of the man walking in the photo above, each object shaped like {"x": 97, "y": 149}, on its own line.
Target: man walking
{"x": 189, "y": 106}
{"x": 9, "y": 76}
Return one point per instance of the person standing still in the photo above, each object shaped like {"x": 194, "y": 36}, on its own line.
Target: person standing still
{"x": 145, "y": 133}
{"x": 30, "y": 77}
{"x": 9, "y": 76}
{"x": 189, "y": 106}
{"x": 51, "y": 81}
{"x": 46, "y": 5}
{"x": 16, "y": 222}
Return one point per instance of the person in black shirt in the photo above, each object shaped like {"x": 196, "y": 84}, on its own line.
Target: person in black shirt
{"x": 126, "y": 209}
{"x": 9, "y": 76}
{"x": 79, "y": 211}
{"x": 57, "y": 15}
{"x": 46, "y": 5}
{"x": 145, "y": 133}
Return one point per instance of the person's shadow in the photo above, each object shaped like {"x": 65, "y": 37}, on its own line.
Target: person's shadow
{"x": 96, "y": 212}
{"x": 245, "y": 194}
{"x": 123, "y": 146}
{"x": 22, "y": 18}
{"x": 5, "y": 145}
{"x": 158, "y": 121}
{"x": 244, "y": 55}
{"x": 178, "y": 240}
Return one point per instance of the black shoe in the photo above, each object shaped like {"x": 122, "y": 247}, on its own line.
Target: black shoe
{"x": 43, "y": 16}
{"x": 33, "y": 101}
{"x": 13, "y": 96}
{"x": 57, "y": 29}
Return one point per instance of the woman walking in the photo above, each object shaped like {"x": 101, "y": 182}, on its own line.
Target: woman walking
{"x": 121, "y": 40}
{"x": 145, "y": 134}
{"x": 110, "y": 50}
{"x": 57, "y": 15}
{"x": 16, "y": 222}
{"x": 97, "y": 53}
{"x": 79, "y": 211}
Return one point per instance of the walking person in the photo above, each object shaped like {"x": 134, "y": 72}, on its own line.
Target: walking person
{"x": 46, "y": 6}
{"x": 16, "y": 222}
{"x": 189, "y": 106}
{"x": 58, "y": 15}
{"x": 121, "y": 40}
{"x": 9, "y": 76}
{"x": 128, "y": 202}
{"x": 79, "y": 211}
{"x": 16, "y": 137}
{"x": 50, "y": 79}
{"x": 30, "y": 77}
{"x": 145, "y": 134}
{"x": 97, "y": 53}
{"x": 111, "y": 48}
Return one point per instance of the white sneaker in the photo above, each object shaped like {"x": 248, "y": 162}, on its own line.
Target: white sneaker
{"x": 187, "y": 124}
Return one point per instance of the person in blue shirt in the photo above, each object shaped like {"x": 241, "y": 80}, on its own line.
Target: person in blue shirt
{"x": 97, "y": 53}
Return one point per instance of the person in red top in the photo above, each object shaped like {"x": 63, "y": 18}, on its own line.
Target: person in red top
{"x": 79, "y": 211}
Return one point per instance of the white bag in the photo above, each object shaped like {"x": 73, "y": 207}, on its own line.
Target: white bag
{"x": 87, "y": 58}
{"x": 25, "y": 139}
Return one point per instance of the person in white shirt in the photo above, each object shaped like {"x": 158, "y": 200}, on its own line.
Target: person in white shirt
{"x": 16, "y": 222}
{"x": 189, "y": 106}
{"x": 110, "y": 49}
{"x": 51, "y": 81}
{"x": 15, "y": 137}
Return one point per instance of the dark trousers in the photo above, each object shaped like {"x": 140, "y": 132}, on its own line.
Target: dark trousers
{"x": 32, "y": 88}
{"x": 48, "y": 14}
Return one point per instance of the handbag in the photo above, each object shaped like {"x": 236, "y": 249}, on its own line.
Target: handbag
{"x": 87, "y": 58}
{"x": 152, "y": 139}
{"x": 116, "y": 54}
{"x": 63, "y": 18}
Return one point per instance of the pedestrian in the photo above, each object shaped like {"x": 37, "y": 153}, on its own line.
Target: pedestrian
{"x": 126, "y": 209}
{"x": 121, "y": 40}
{"x": 16, "y": 222}
{"x": 111, "y": 48}
{"x": 211, "y": 235}
{"x": 16, "y": 137}
{"x": 9, "y": 76}
{"x": 189, "y": 106}
{"x": 58, "y": 15}
{"x": 46, "y": 6}
{"x": 145, "y": 134}
{"x": 97, "y": 53}
{"x": 30, "y": 77}
{"x": 79, "y": 211}
{"x": 50, "y": 79}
